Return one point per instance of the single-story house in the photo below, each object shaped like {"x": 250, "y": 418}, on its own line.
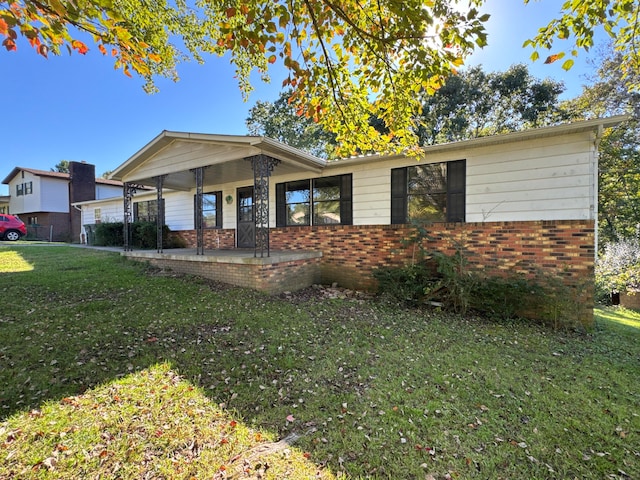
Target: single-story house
{"x": 518, "y": 202}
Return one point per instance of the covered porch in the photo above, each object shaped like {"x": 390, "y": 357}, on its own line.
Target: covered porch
{"x": 196, "y": 164}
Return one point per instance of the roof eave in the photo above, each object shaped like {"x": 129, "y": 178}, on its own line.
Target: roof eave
{"x": 264, "y": 144}
{"x": 551, "y": 131}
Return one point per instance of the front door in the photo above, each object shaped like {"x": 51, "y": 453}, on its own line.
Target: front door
{"x": 246, "y": 233}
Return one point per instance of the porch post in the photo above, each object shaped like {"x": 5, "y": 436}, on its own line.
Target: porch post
{"x": 128, "y": 190}
{"x": 198, "y": 220}
{"x": 160, "y": 212}
{"x": 262, "y": 165}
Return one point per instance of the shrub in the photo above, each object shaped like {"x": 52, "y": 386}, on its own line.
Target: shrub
{"x": 405, "y": 284}
{"x": 447, "y": 280}
{"x": 143, "y": 235}
{"x": 109, "y": 234}
{"x": 618, "y": 267}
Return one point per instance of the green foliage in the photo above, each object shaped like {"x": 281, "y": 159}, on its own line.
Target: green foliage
{"x": 405, "y": 284}
{"x": 279, "y": 120}
{"x": 474, "y": 103}
{"x": 346, "y": 62}
{"x": 452, "y": 283}
{"x": 578, "y": 21}
{"x": 375, "y": 390}
{"x": 109, "y": 234}
{"x": 618, "y": 267}
{"x": 143, "y": 235}
{"x": 62, "y": 166}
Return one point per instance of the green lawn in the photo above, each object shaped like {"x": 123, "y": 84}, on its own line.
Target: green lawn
{"x": 110, "y": 369}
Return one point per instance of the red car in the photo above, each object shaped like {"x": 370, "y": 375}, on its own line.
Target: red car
{"x": 11, "y": 227}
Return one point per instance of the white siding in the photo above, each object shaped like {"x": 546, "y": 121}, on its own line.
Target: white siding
{"x": 54, "y": 195}
{"x": 48, "y": 194}
{"x": 107, "y": 191}
{"x": 550, "y": 178}
{"x": 110, "y": 212}
{"x": 178, "y": 210}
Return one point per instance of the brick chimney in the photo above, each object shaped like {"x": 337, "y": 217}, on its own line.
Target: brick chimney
{"x": 82, "y": 187}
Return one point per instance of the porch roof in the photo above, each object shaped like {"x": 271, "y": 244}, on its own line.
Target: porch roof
{"x": 175, "y": 154}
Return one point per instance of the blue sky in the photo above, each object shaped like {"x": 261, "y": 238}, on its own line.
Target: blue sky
{"x": 79, "y": 108}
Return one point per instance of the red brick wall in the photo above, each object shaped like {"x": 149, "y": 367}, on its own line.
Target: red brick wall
{"x": 214, "y": 238}
{"x": 58, "y": 220}
{"x": 352, "y": 252}
{"x": 273, "y": 278}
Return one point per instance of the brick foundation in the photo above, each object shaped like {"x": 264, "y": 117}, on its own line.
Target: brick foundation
{"x": 214, "y": 238}
{"x": 273, "y": 275}
{"x": 350, "y": 253}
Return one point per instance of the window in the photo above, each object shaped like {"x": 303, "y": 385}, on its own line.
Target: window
{"x": 428, "y": 193}
{"x": 97, "y": 215}
{"x": 211, "y": 210}
{"x": 145, "y": 211}
{"x": 32, "y": 221}
{"x": 326, "y": 200}
{"x": 318, "y": 201}
{"x": 298, "y": 201}
{"x": 24, "y": 189}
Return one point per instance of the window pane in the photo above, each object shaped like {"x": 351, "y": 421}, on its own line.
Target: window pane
{"x": 326, "y": 188}
{"x": 209, "y": 220}
{"x": 245, "y": 201}
{"x": 427, "y": 178}
{"x": 143, "y": 210}
{"x": 427, "y": 193}
{"x": 297, "y": 192}
{"x": 246, "y": 213}
{"x": 209, "y": 201}
{"x": 298, "y": 214}
{"x": 427, "y": 207}
{"x": 326, "y": 213}
{"x": 209, "y": 212}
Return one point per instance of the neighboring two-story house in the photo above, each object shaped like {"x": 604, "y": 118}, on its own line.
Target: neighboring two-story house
{"x": 43, "y": 199}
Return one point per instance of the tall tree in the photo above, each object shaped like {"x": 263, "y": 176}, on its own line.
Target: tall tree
{"x": 346, "y": 61}
{"x": 62, "y": 166}
{"x": 280, "y": 120}
{"x": 475, "y": 103}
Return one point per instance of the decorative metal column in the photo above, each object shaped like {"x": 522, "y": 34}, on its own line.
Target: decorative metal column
{"x": 262, "y": 165}
{"x": 199, "y": 173}
{"x": 129, "y": 190}
{"x": 160, "y": 212}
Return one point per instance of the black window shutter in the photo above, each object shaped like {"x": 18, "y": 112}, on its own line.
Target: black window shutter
{"x": 398, "y": 195}
{"x": 135, "y": 212}
{"x": 195, "y": 211}
{"x": 219, "y": 209}
{"x": 346, "y": 202}
{"x": 281, "y": 206}
{"x": 456, "y": 182}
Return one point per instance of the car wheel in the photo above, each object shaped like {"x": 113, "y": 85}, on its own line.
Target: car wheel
{"x": 12, "y": 235}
